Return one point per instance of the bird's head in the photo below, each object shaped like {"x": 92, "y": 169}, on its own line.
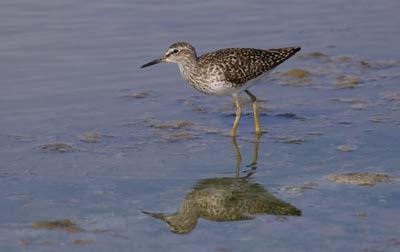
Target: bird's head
{"x": 177, "y": 223}
{"x": 180, "y": 53}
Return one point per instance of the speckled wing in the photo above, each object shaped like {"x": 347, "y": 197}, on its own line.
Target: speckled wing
{"x": 243, "y": 64}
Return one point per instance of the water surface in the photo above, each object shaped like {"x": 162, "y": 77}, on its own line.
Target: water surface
{"x": 72, "y": 67}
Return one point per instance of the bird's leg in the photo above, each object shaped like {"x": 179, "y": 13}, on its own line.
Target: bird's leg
{"x": 237, "y": 118}
{"x": 255, "y": 112}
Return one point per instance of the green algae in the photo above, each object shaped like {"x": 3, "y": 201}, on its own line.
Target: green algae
{"x": 360, "y": 178}
{"x": 347, "y": 81}
{"x": 64, "y": 224}
{"x": 57, "y": 147}
{"x": 89, "y": 137}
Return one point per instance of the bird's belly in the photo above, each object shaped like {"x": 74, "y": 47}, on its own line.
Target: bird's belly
{"x": 217, "y": 88}
{"x": 222, "y": 88}
{"x": 254, "y": 81}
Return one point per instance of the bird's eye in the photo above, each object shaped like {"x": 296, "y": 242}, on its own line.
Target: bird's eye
{"x": 175, "y": 51}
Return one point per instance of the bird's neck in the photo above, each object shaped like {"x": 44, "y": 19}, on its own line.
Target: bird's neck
{"x": 187, "y": 215}
{"x": 189, "y": 68}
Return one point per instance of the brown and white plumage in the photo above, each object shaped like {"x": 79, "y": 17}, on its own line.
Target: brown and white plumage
{"x": 241, "y": 65}
{"x": 225, "y": 72}
{"x": 224, "y": 199}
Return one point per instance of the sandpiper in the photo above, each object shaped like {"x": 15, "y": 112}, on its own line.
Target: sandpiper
{"x": 224, "y": 199}
{"x": 226, "y": 72}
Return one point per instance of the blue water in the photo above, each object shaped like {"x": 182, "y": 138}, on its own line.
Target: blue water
{"x": 70, "y": 67}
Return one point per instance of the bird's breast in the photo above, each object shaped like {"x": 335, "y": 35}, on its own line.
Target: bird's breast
{"x": 211, "y": 82}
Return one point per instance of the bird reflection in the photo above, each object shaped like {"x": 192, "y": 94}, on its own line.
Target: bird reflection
{"x": 226, "y": 199}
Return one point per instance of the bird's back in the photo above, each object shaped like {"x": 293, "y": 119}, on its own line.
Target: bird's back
{"x": 233, "y": 199}
{"x": 240, "y": 65}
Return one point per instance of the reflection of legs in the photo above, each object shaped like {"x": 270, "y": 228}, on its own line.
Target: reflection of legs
{"x": 237, "y": 118}
{"x": 255, "y": 112}
{"x": 238, "y": 155}
{"x": 253, "y": 165}
{"x": 255, "y": 151}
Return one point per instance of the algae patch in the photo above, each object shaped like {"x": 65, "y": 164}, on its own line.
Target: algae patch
{"x": 360, "y": 178}
{"x": 317, "y": 55}
{"x": 178, "y": 124}
{"x": 347, "y": 81}
{"x": 82, "y": 242}
{"x": 297, "y": 73}
{"x": 301, "y": 188}
{"x": 290, "y": 115}
{"x": 351, "y": 100}
{"x": 359, "y": 106}
{"x": 342, "y": 59}
{"x": 289, "y": 139}
{"x": 173, "y": 137}
{"x": 297, "y": 77}
{"x": 346, "y": 148}
{"x": 57, "y": 147}
{"x": 173, "y": 131}
{"x": 356, "y": 103}
{"x": 24, "y": 242}
{"x": 379, "y": 65}
{"x": 314, "y": 56}
{"x": 209, "y": 130}
{"x": 139, "y": 95}
{"x": 89, "y": 137}
{"x": 391, "y": 96}
{"x": 379, "y": 118}
{"x": 65, "y": 225}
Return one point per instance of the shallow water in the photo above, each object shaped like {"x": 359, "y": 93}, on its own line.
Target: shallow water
{"x": 70, "y": 68}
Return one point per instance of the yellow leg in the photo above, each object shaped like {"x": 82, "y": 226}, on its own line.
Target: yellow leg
{"x": 255, "y": 112}
{"x": 237, "y": 118}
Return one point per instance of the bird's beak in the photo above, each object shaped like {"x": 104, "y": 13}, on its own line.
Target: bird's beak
{"x": 155, "y": 215}
{"x": 156, "y": 61}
